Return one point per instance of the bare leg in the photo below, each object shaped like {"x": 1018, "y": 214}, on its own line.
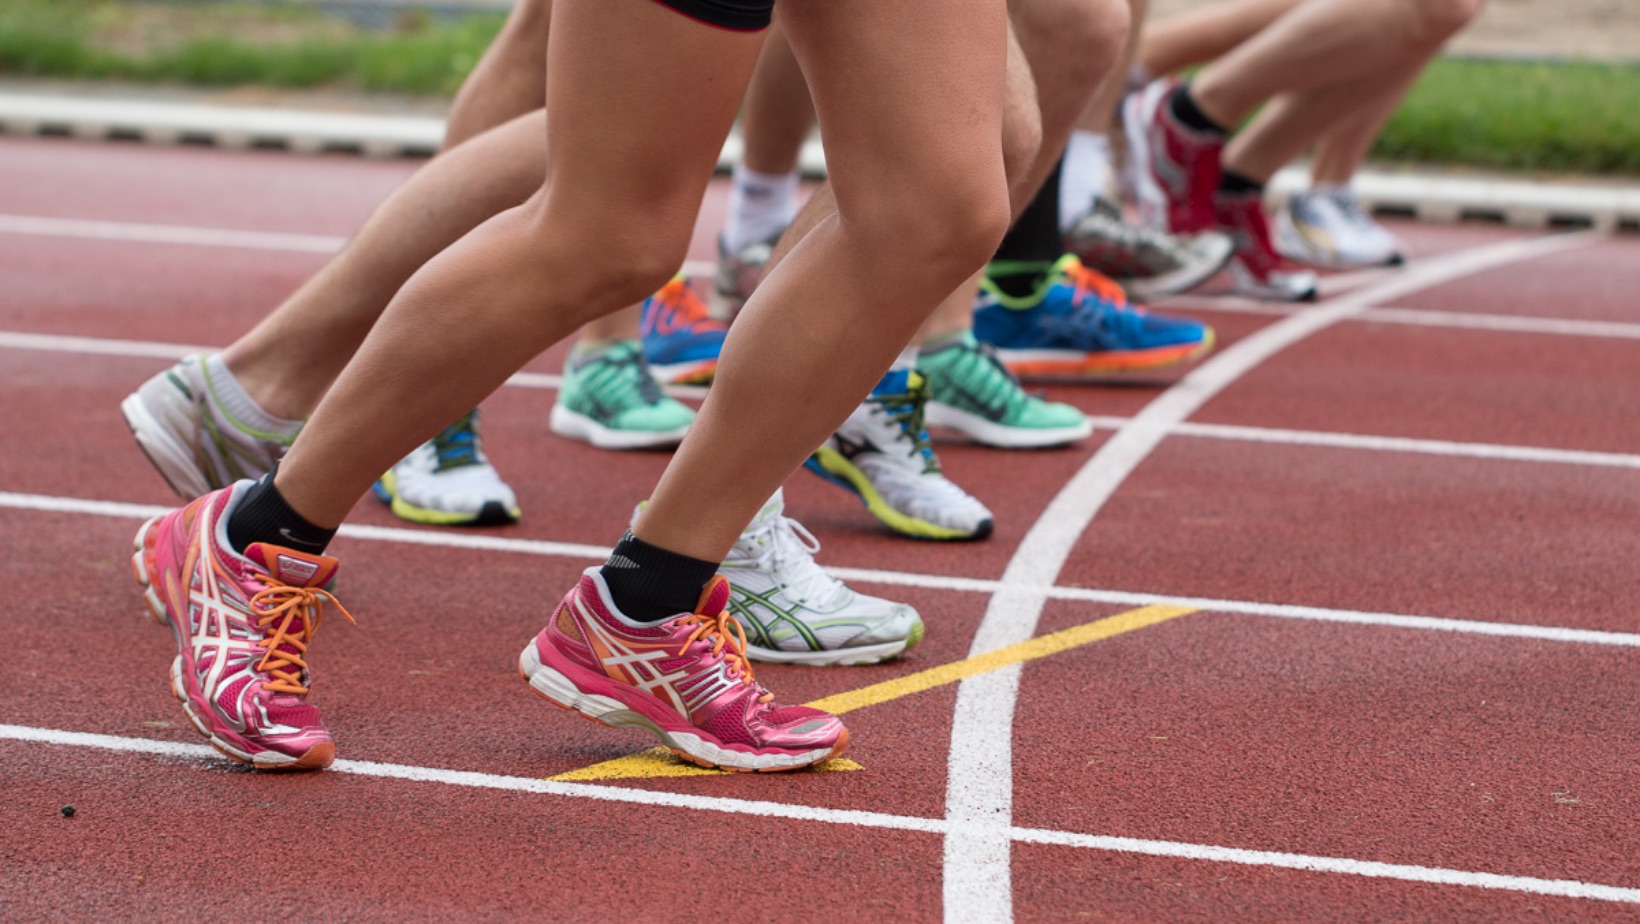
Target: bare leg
{"x": 608, "y": 228}
{"x": 1200, "y": 35}
{"x": 1326, "y": 43}
{"x": 290, "y": 358}
{"x": 778, "y": 112}
{"x": 914, "y": 219}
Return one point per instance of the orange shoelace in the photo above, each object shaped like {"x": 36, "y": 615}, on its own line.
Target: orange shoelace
{"x": 294, "y": 613}
{"x": 1086, "y": 280}
{"x": 726, "y": 632}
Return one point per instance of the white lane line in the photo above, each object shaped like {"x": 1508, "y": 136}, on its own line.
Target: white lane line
{"x": 880, "y": 820}
{"x": 169, "y": 234}
{"x": 1354, "y": 441}
{"x": 1420, "y": 317}
{"x": 449, "y": 539}
{"x": 40, "y": 226}
{"x": 1505, "y": 323}
{"x": 979, "y": 791}
{"x": 552, "y": 382}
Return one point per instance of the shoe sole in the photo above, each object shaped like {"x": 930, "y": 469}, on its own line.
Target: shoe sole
{"x": 839, "y": 657}
{"x": 1048, "y": 363}
{"x": 561, "y": 691}
{"x": 1182, "y": 279}
{"x": 142, "y": 567}
{"x": 990, "y": 433}
{"x": 575, "y": 426}
{"x": 829, "y": 464}
{"x": 174, "y": 460}
{"x": 700, "y": 372}
{"x": 493, "y": 513}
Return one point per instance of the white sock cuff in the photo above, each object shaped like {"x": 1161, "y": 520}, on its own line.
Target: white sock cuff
{"x": 761, "y": 205}
{"x": 1084, "y": 175}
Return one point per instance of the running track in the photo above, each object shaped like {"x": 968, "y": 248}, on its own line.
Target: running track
{"x": 1339, "y": 624}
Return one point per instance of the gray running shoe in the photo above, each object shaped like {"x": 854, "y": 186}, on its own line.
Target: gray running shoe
{"x": 1147, "y": 263}
{"x": 182, "y": 423}
{"x": 739, "y": 273}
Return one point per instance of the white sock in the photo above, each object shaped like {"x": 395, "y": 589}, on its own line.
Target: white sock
{"x": 232, "y": 398}
{"x": 761, "y": 205}
{"x": 1084, "y": 175}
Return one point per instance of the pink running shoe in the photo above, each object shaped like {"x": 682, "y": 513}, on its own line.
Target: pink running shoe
{"x": 1176, "y": 167}
{"x": 1259, "y": 270}
{"x": 243, "y": 624}
{"x": 685, "y": 680}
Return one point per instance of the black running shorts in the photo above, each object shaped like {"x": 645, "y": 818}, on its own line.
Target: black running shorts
{"x": 739, "y": 15}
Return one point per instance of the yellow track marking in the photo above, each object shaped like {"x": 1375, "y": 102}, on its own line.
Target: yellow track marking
{"x": 659, "y": 762}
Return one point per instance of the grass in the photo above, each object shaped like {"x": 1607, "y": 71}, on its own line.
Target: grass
{"x": 235, "y": 44}
{"x": 1571, "y": 117}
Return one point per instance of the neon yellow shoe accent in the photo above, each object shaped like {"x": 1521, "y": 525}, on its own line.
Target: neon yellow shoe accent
{"x": 841, "y": 469}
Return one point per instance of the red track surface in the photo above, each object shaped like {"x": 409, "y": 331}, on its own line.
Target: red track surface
{"x": 1449, "y": 750}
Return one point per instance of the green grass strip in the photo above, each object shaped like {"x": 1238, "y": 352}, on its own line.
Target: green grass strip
{"x": 235, "y": 44}
{"x": 1572, "y": 117}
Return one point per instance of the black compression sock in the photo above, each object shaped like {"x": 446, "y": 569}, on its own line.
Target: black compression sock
{"x": 649, "y": 584}
{"x": 1237, "y": 183}
{"x": 262, "y": 515}
{"x": 1035, "y": 236}
{"x": 1184, "y": 108}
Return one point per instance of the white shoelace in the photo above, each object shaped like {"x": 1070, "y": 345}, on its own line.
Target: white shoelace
{"x": 786, "y": 551}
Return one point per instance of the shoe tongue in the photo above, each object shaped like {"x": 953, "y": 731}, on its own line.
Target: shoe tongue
{"x": 774, "y": 508}
{"x": 288, "y": 566}
{"x": 896, "y": 382}
{"x": 714, "y": 599}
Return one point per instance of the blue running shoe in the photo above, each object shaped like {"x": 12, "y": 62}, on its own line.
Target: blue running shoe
{"x": 681, "y": 341}
{"x": 1079, "y": 322}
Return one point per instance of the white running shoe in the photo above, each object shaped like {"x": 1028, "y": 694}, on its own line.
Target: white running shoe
{"x": 200, "y": 429}
{"x": 1328, "y": 229}
{"x": 795, "y": 613}
{"x": 882, "y": 454}
{"x": 448, "y": 481}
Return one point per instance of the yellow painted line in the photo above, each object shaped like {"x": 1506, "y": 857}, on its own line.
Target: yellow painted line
{"x": 659, "y": 762}
{"x": 1039, "y": 647}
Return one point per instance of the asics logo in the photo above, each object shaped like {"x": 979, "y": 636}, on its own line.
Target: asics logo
{"x": 302, "y": 571}
{"x": 636, "y": 668}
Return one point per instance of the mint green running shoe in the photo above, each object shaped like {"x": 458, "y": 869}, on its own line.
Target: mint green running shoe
{"x": 970, "y": 391}
{"x": 611, "y": 400}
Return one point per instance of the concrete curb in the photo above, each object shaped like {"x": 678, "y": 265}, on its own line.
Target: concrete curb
{"x": 1427, "y": 196}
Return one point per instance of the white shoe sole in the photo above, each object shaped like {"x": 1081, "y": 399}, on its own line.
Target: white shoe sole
{"x": 990, "y": 433}
{"x": 575, "y": 426}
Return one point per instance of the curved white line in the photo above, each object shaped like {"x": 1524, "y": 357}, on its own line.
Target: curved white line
{"x": 979, "y": 784}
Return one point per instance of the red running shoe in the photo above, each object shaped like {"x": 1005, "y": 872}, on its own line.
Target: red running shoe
{"x": 1176, "y": 166}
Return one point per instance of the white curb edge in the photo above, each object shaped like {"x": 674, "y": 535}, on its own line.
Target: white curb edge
{"x": 1429, "y": 197}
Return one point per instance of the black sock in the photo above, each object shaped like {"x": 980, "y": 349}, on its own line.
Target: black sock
{"x": 262, "y": 515}
{"x": 1183, "y": 106}
{"x": 1237, "y": 183}
{"x": 1032, "y": 245}
{"x": 650, "y": 584}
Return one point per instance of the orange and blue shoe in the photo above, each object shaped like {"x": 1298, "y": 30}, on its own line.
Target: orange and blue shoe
{"x": 681, "y": 340}
{"x": 243, "y": 625}
{"x": 1079, "y": 322}
{"x": 685, "y": 680}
